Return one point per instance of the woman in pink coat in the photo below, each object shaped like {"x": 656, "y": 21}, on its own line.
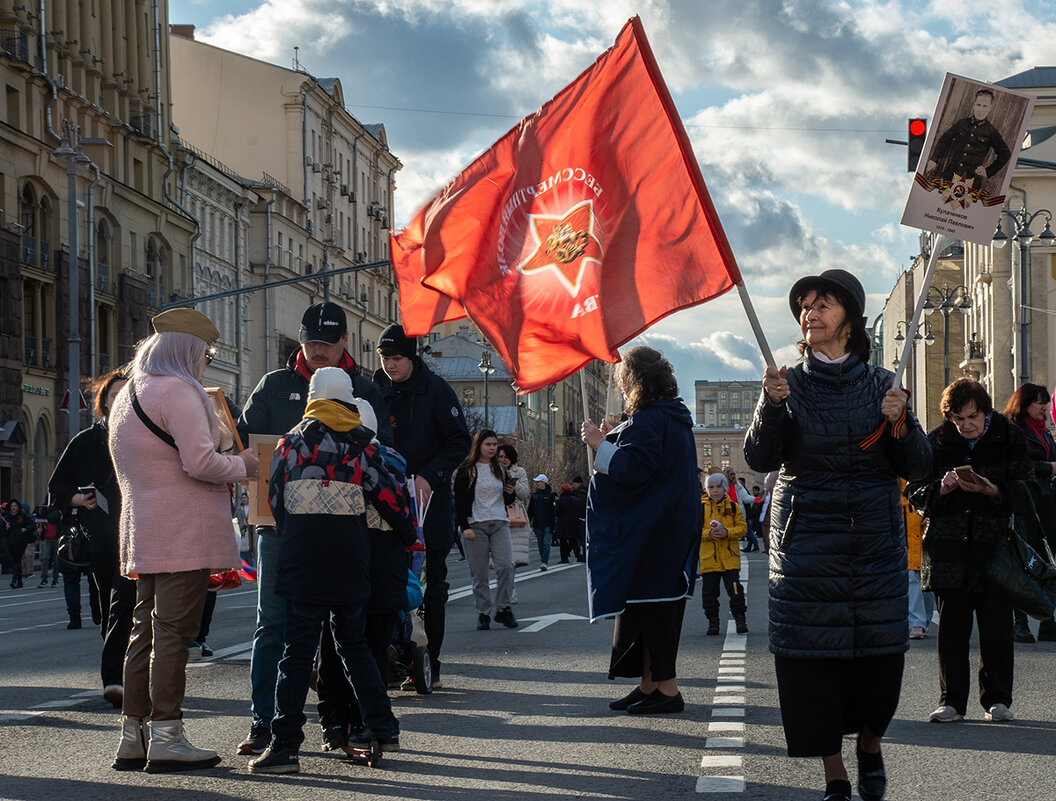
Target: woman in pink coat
{"x": 175, "y": 529}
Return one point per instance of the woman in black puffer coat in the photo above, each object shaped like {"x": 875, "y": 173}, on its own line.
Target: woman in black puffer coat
{"x": 966, "y": 522}
{"x": 841, "y": 437}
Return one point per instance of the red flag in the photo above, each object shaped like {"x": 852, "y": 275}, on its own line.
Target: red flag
{"x": 577, "y": 230}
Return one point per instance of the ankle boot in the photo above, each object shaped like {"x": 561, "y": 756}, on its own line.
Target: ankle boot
{"x": 75, "y": 620}
{"x": 1047, "y": 631}
{"x": 713, "y": 625}
{"x": 1020, "y": 628}
{"x": 742, "y": 624}
{"x": 132, "y": 750}
{"x": 169, "y": 749}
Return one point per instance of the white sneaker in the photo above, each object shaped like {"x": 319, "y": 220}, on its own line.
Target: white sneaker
{"x": 945, "y": 714}
{"x": 542, "y": 566}
{"x": 999, "y": 712}
{"x": 194, "y": 652}
{"x": 169, "y": 750}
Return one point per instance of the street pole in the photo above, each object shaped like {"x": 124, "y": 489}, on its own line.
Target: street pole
{"x": 75, "y": 329}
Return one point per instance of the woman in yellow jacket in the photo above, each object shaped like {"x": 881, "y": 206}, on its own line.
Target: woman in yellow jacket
{"x": 720, "y": 554}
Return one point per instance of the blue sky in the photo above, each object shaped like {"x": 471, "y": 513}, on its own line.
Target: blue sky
{"x": 787, "y": 104}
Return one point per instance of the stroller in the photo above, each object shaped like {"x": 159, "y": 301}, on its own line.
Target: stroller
{"x": 410, "y": 666}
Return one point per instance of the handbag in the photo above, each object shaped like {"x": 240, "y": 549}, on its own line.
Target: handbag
{"x": 73, "y": 545}
{"x": 1019, "y": 576}
{"x": 517, "y": 515}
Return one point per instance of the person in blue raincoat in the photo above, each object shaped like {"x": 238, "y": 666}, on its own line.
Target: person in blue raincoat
{"x": 643, "y": 529}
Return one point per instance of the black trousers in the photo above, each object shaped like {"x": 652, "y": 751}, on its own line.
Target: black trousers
{"x": 435, "y": 604}
{"x": 117, "y": 600}
{"x": 338, "y": 704}
{"x": 709, "y": 592}
{"x": 996, "y": 650}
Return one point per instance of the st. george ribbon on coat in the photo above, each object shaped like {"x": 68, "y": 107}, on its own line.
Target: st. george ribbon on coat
{"x": 577, "y": 230}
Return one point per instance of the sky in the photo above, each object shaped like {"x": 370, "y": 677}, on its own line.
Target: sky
{"x": 787, "y": 104}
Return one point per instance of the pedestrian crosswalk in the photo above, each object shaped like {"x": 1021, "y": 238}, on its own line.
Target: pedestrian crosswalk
{"x": 722, "y": 767}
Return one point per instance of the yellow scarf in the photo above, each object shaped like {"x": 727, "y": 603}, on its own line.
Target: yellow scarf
{"x": 331, "y": 414}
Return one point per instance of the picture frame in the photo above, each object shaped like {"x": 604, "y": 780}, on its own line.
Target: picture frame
{"x": 216, "y": 398}
{"x": 259, "y": 510}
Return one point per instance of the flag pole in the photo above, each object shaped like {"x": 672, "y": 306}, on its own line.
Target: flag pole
{"x": 608, "y": 389}
{"x": 586, "y": 416}
{"x": 757, "y": 328}
{"x": 933, "y": 260}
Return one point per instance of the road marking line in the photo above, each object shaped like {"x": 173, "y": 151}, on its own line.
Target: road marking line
{"x": 724, "y": 742}
{"x": 729, "y": 679}
{"x": 732, "y": 712}
{"x": 61, "y": 703}
{"x": 730, "y": 699}
{"x": 720, "y": 784}
{"x": 732, "y": 688}
{"x": 465, "y": 592}
{"x": 726, "y": 726}
{"x": 732, "y": 671}
{"x": 721, "y": 761}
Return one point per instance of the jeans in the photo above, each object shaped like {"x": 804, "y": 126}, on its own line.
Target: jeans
{"x": 753, "y": 543}
{"x": 71, "y": 589}
{"x": 304, "y": 623}
{"x": 271, "y": 628}
{"x": 491, "y": 539}
{"x": 49, "y": 560}
{"x": 542, "y": 536}
{"x": 921, "y": 604}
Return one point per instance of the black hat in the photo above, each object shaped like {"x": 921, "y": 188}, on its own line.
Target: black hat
{"x": 839, "y": 282}
{"x": 323, "y": 322}
{"x": 394, "y": 342}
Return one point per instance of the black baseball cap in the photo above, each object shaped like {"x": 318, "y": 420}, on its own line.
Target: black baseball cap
{"x": 323, "y": 322}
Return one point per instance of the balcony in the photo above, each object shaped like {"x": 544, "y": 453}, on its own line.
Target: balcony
{"x": 140, "y": 123}
{"x": 102, "y": 278}
{"x": 38, "y": 357}
{"x": 155, "y": 293}
{"x": 15, "y": 44}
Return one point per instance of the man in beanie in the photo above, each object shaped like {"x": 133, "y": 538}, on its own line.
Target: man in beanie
{"x": 324, "y": 475}
{"x": 276, "y": 406}
{"x": 430, "y": 432}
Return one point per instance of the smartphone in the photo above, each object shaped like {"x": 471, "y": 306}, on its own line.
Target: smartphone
{"x": 965, "y": 473}
{"x": 86, "y": 490}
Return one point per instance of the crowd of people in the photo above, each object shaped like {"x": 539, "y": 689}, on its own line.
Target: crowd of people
{"x": 868, "y": 522}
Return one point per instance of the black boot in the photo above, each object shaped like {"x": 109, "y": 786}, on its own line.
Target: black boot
{"x": 742, "y": 624}
{"x": 872, "y": 779}
{"x": 75, "y": 620}
{"x": 713, "y": 625}
{"x": 1020, "y": 628}
{"x": 1047, "y": 631}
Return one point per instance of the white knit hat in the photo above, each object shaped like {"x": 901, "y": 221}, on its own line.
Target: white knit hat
{"x": 366, "y": 414}
{"x": 331, "y": 383}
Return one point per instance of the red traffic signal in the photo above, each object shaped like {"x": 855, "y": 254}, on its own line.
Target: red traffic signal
{"x": 918, "y": 131}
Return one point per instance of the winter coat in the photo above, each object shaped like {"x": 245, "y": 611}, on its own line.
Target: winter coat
{"x": 567, "y": 521}
{"x": 520, "y": 537}
{"x": 541, "y": 508}
{"x": 85, "y": 461}
{"x": 643, "y": 511}
{"x": 176, "y": 508}
{"x": 315, "y": 469}
{"x": 1043, "y": 525}
{"x": 965, "y": 527}
{"x": 717, "y": 556}
{"x": 277, "y": 403}
{"x": 914, "y": 534}
{"x": 429, "y": 430}
{"x": 837, "y": 544}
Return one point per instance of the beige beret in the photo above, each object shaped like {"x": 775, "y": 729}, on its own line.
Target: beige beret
{"x": 186, "y": 321}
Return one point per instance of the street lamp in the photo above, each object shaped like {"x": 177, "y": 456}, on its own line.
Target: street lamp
{"x": 948, "y": 300}
{"x": 553, "y": 407}
{"x": 71, "y": 158}
{"x": 1019, "y": 224}
{"x": 877, "y": 339}
{"x": 486, "y": 368}
{"x": 901, "y": 329}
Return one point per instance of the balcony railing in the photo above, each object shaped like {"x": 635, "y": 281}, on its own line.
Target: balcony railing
{"x": 140, "y": 123}
{"x": 35, "y": 253}
{"x": 15, "y": 44}
{"x": 155, "y": 292}
{"x": 38, "y": 357}
{"x": 102, "y": 278}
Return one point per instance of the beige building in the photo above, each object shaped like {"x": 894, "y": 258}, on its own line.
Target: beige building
{"x": 942, "y": 344}
{"x": 326, "y": 183}
{"x": 725, "y": 404}
{"x": 94, "y": 76}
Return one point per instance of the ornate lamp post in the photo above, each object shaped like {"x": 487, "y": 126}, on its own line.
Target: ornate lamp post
{"x": 947, "y": 300}
{"x": 901, "y": 329}
{"x": 1019, "y": 224}
{"x": 485, "y": 367}
{"x": 553, "y": 407}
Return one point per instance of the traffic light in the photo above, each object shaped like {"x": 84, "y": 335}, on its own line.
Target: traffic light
{"x": 918, "y": 131}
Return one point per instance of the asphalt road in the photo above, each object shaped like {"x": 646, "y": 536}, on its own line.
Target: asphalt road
{"x": 522, "y": 714}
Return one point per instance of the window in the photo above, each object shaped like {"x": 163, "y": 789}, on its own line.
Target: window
{"x": 705, "y": 450}
{"x": 722, "y": 418}
{"x": 724, "y": 450}
{"x": 735, "y": 401}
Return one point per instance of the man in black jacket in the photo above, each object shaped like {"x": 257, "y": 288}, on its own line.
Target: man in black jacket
{"x": 430, "y": 432}
{"x": 277, "y": 405}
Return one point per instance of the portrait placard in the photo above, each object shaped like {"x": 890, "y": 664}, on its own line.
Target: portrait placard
{"x": 968, "y": 159}
{"x": 216, "y": 398}
{"x": 259, "y": 510}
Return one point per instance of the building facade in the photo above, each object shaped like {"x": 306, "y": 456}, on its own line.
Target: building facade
{"x": 89, "y": 81}
{"x": 725, "y": 404}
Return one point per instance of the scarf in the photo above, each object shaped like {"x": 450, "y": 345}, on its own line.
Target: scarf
{"x": 300, "y": 364}
{"x": 1037, "y": 428}
{"x": 331, "y": 413}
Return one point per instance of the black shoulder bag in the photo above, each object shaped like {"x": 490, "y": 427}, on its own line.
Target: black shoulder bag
{"x": 155, "y": 429}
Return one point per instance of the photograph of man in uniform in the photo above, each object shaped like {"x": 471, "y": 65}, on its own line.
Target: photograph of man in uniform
{"x": 965, "y": 147}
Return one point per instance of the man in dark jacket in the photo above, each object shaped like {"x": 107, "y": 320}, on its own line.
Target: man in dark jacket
{"x": 541, "y": 516}
{"x": 277, "y": 405}
{"x": 966, "y": 145}
{"x": 430, "y": 433}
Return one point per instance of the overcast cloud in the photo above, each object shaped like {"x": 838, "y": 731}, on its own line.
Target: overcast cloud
{"x": 787, "y": 105}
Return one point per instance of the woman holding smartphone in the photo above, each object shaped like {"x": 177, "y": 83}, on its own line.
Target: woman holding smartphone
{"x": 980, "y": 462}
{"x": 483, "y": 490}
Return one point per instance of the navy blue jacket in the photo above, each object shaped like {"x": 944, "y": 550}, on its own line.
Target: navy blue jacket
{"x": 430, "y": 432}
{"x": 644, "y": 514}
{"x": 837, "y": 540}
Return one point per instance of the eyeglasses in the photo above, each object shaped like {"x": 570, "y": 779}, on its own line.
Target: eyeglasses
{"x": 210, "y": 355}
